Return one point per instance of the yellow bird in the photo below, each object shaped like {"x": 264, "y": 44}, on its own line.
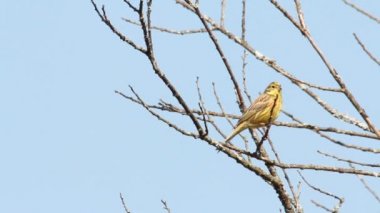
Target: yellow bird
{"x": 264, "y": 110}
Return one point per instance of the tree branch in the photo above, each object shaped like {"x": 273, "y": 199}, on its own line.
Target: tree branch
{"x": 362, "y": 11}
{"x": 377, "y": 61}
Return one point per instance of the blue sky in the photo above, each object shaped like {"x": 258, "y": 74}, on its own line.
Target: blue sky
{"x": 68, "y": 143}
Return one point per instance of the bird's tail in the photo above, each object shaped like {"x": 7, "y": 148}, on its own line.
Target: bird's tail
{"x": 236, "y": 131}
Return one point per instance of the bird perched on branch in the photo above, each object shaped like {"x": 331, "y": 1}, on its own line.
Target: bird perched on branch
{"x": 264, "y": 110}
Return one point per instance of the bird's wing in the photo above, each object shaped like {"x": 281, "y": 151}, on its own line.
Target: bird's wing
{"x": 258, "y": 105}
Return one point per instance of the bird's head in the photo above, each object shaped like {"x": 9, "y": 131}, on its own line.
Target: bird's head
{"x": 273, "y": 88}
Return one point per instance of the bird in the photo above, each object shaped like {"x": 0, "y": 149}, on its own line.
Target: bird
{"x": 264, "y": 110}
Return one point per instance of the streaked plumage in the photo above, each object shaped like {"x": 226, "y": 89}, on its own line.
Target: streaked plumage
{"x": 263, "y": 110}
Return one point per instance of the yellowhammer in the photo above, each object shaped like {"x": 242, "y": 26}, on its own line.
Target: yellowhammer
{"x": 263, "y": 110}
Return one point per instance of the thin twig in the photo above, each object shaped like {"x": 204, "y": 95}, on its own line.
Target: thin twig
{"x": 298, "y": 195}
{"x": 243, "y": 19}
{"x": 103, "y": 16}
{"x": 130, "y": 5}
{"x": 323, "y": 168}
{"x": 202, "y": 105}
{"x": 323, "y": 135}
{"x": 366, "y": 186}
{"x": 317, "y": 204}
{"x": 223, "y": 5}
{"x": 318, "y": 189}
{"x": 300, "y": 14}
{"x": 171, "y": 31}
{"x": 166, "y": 207}
{"x": 184, "y": 132}
{"x": 370, "y": 55}
{"x": 350, "y": 146}
{"x": 204, "y": 118}
{"x": 245, "y": 54}
{"x": 150, "y": 54}
{"x": 223, "y": 57}
{"x": 124, "y": 205}
{"x": 225, "y": 115}
{"x": 325, "y": 129}
{"x": 305, "y": 166}
{"x": 340, "y": 199}
{"x": 362, "y": 11}
{"x": 347, "y": 160}
{"x": 210, "y": 120}
{"x": 286, "y": 13}
{"x": 296, "y": 204}
{"x": 244, "y": 66}
{"x": 274, "y": 181}
{"x": 203, "y": 111}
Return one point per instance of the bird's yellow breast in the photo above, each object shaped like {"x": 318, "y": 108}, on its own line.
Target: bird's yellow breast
{"x": 268, "y": 114}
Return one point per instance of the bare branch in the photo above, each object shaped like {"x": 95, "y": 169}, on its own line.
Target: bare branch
{"x": 225, "y": 61}
{"x": 149, "y": 22}
{"x": 349, "y": 146}
{"x": 333, "y": 72}
{"x": 334, "y": 112}
{"x": 317, "y": 204}
{"x": 318, "y": 189}
{"x": 171, "y": 31}
{"x": 362, "y": 11}
{"x": 210, "y": 119}
{"x": 305, "y": 166}
{"x": 223, "y": 11}
{"x": 243, "y": 19}
{"x": 296, "y": 203}
{"x": 204, "y": 118}
{"x": 340, "y": 199}
{"x": 377, "y": 61}
{"x": 323, "y": 168}
{"x": 104, "y": 18}
{"x": 141, "y": 102}
{"x": 347, "y": 160}
{"x": 285, "y": 13}
{"x": 366, "y": 186}
{"x": 225, "y": 115}
{"x": 202, "y": 105}
{"x": 245, "y": 54}
{"x": 159, "y": 73}
{"x": 325, "y": 129}
{"x": 205, "y": 112}
{"x": 124, "y": 205}
{"x": 318, "y": 131}
{"x": 298, "y": 195}
{"x": 300, "y": 14}
{"x": 244, "y": 60}
{"x": 165, "y": 206}
{"x": 130, "y": 5}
